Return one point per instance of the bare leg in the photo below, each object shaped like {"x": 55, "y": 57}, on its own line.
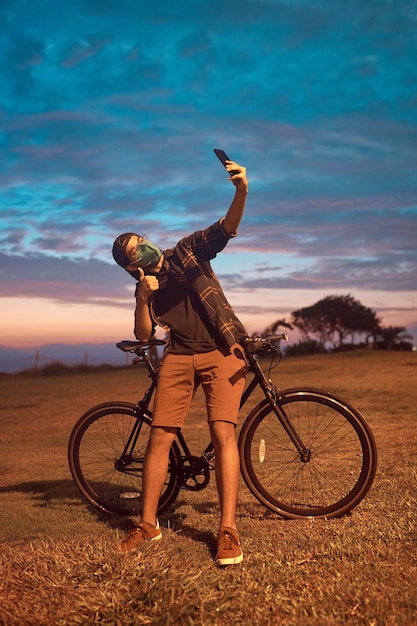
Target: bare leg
{"x": 223, "y": 437}
{"x": 155, "y": 469}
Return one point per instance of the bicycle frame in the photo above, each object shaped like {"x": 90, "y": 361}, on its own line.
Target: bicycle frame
{"x": 252, "y": 346}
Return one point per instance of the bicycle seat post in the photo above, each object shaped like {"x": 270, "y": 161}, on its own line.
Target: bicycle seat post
{"x": 144, "y": 356}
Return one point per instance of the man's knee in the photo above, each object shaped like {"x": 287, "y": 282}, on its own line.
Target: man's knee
{"x": 161, "y": 437}
{"x": 222, "y": 433}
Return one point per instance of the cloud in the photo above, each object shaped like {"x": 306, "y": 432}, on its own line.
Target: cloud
{"x": 63, "y": 280}
{"x": 110, "y": 113}
{"x": 340, "y": 275}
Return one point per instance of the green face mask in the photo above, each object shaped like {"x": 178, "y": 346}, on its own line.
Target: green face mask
{"x": 147, "y": 255}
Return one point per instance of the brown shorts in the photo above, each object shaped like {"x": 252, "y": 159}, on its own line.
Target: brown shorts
{"x": 222, "y": 377}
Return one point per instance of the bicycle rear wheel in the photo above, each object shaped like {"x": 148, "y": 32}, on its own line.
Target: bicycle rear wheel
{"x": 341, "y": 465}
{"x": 105, "y": 453}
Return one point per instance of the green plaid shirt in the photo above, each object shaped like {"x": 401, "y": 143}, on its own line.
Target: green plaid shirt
{"x": 189, "y": 263}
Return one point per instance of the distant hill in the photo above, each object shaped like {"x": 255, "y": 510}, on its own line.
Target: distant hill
{"x": 14, "y": 360}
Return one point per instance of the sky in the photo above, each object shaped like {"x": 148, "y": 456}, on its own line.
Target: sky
{"x": 109, "y": 113}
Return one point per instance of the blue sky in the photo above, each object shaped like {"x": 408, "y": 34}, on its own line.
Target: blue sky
{"x": 109, "y": 113}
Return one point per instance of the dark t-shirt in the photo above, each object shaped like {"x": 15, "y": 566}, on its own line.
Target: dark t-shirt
{"x": 178, "y": 308}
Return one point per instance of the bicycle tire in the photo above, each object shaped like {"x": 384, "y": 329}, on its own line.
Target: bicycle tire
{"x": 343, "y": 459}
{"x": 108, "y": 482}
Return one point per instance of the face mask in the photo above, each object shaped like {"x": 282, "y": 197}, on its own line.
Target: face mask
{"x": 147, "y": 255}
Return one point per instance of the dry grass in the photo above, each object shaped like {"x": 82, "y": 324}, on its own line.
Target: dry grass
{"x": 58, "y": 564}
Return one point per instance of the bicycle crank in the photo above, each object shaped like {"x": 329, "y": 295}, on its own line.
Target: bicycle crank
{"x": 195, "y": 473}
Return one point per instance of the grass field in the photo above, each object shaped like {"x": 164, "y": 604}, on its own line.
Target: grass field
{"x": 58, "y": 564}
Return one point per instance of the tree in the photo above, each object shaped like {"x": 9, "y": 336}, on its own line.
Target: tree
{"x": 393, "y": 338}
{"x": 334, "y": 319}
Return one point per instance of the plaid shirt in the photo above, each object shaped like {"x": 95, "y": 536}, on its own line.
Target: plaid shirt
{"x": 189, "y": 263}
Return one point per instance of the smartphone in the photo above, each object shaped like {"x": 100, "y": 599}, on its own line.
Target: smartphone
{"x": 221, "y": 154}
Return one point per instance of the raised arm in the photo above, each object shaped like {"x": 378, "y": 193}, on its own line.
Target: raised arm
{"x": 234, "y": 215}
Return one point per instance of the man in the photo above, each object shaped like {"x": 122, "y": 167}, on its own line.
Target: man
{"x": 178, "y": 290}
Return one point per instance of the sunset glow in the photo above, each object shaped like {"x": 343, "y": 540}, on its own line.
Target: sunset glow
{"x": 110, "y": 113}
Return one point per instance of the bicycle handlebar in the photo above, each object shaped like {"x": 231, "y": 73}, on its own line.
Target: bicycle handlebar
{"x": 269, "y": 338}
{"x": 259, "y": 344}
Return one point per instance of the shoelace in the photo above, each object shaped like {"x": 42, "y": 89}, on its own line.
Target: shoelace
{"x": 227, "y": 541}
{"x": 134, "y": 530}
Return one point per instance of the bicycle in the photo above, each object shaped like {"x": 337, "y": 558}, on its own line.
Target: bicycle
{"x": 303, "y": 452}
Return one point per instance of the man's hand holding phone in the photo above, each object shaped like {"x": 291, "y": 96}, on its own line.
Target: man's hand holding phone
{"x": 237, "y": 173}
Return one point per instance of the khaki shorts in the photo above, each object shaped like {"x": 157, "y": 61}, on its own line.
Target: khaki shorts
{"x": 222, "y": 377}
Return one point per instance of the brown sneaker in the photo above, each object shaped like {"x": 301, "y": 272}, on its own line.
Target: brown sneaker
{"x": 139, "y": 534}
{"x": 229, "y": 551}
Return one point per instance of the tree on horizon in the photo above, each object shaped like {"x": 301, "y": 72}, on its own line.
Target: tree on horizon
{"x": 342, "y": 321}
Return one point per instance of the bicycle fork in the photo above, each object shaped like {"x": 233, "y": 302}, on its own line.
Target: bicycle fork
{"x": 272, "y": 395}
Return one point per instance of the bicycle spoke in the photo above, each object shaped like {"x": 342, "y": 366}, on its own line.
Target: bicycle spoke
{"x": 334, "y": 475}
{"x": 106, "y": 454}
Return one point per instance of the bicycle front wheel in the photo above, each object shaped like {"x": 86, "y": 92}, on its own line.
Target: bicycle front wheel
{"x": 106, "y": 451}
{"x": 340, "y": 466}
